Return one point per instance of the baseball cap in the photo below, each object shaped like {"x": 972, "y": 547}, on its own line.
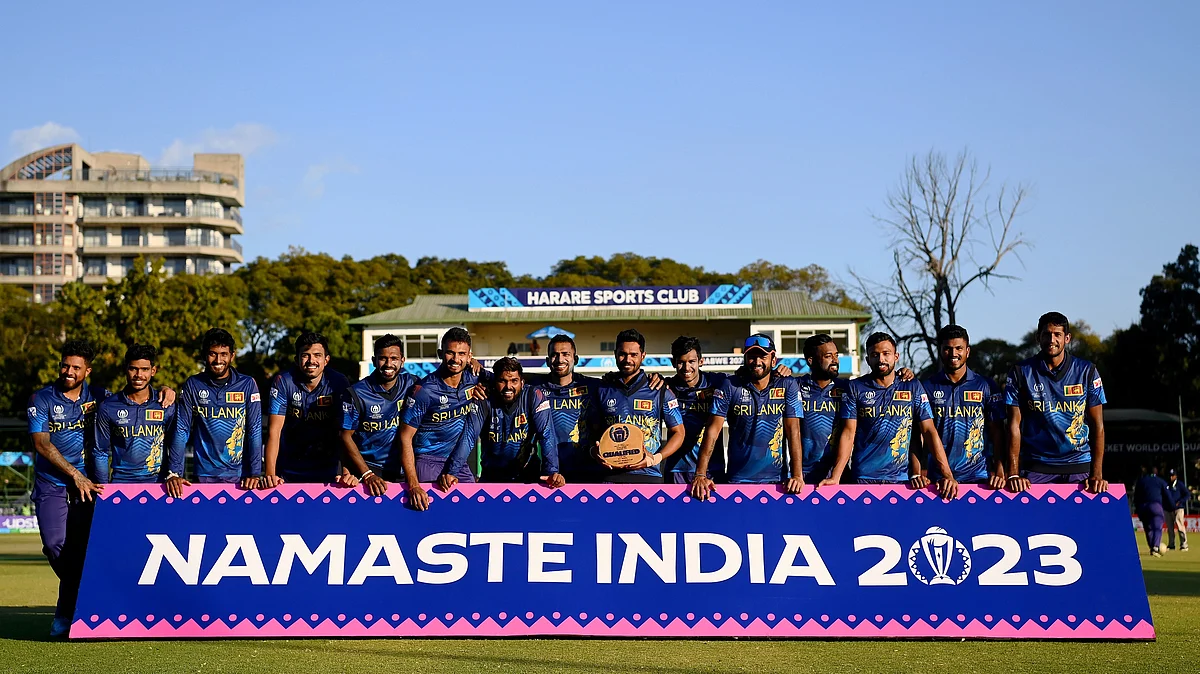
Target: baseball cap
{"x": 759, "y": 341}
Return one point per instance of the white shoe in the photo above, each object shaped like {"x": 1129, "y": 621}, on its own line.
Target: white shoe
{"x": 1155, "y": 553}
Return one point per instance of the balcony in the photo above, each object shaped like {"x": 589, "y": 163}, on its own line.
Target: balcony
{"x": 159, "y": 175}
{"x": 228, "y": 220}
{"x": 8, "y": 248}
{"x": 229, "y": 249}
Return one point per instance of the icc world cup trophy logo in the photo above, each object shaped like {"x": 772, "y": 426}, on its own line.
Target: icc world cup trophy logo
{"x": 618, "y": 434}
{"x": 937, "y": 558}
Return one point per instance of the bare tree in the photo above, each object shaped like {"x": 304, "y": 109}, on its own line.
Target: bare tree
{"x": 949, "y": 231}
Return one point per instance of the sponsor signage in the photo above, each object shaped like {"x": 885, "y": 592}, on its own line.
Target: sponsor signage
{"x": 617, "y": 297}
{"x": 612, "y": 561}
{"x": 18, "y": 524}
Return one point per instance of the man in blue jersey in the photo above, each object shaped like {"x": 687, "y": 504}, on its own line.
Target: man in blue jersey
{"x": 879, "y": 414}
{"x": 371, "y": 414}
{"x": 627, "y": 397}
{"x": 305, "y": 422}
{"x": 821, "y": 394}
{"x": 60, "y": 420}
{"x": 968, "y": 412}
{"x": 435, "y": 416}
{"x": 515, "y": 427}
{"x": 571, "y": 397}
{"x": 221, "y": 417}
{"x": 1150, "y": 492}
{"x": 765, "y": 416}
{"x": 693, "y": 388}
{"x": 1055, "y": 415}
{"x": 132, "y": 426}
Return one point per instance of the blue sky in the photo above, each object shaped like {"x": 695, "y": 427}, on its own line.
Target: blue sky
{"x": 713, "y": 133}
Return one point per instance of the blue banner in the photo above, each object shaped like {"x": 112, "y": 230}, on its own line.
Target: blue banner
{"x": 618, "y": 297}
{"x": 520, "y": 560}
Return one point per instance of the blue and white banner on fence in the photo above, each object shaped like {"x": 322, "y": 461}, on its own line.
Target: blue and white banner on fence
{"x": 617, "y": 297}
{"x": 620, "y": 561}
{"x": 18, "y": 524}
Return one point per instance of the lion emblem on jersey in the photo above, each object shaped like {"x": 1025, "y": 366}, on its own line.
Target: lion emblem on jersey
{"x": 233, "y": 446}
{"x": 899, "y": 442}
{"x": 776, "y": 445}
{"x": 974, "y": 443}
{"x": 1077, "y": 431}
{"x": 154, "y": 458}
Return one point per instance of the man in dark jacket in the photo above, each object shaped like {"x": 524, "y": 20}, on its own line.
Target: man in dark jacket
{"x": 1150, "y": 492}
{"x": 1177, "y": 519}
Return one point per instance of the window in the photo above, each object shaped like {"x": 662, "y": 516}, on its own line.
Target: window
{"x": 791, "y": 342}
{"x": 127, "y": 265}
{"x": 608, "y": 347}
{"x": 48, "y": 234}
{"x": 134, "y": 207}
{"x": 44, "y": 293}
{"x": 175, "y": 265}
{"x": 95, "y": 208}
{"x": 131, "y": 236}
{"x": 95, "y": 237}
{"x": 420, "y": 346}
{"x": 21, "y": 266}
{"x": 176, "y": 237}
{"x": 50, "y": 264}
{"x": 173, "y": 207}
{"x": 207, "y": 266}
{"x": 205, "y": 236}
{"x": 95, "y": 266}
{"x": 16, "y": 237}
{"x": 16, "y": 207}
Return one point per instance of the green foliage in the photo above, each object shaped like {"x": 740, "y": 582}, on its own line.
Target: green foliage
{"x": 267, "y": 303}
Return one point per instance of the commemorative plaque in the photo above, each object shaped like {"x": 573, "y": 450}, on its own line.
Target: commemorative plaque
{"x": 622, "y": 446}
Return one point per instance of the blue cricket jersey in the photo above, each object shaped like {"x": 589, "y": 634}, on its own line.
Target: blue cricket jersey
{"x": 69, "y": 423}
{"x": 1054, "y": 430}
{"x": 886, "y": 419}
{"x": 309, "y": 446}
{"x": 507, "y": 444}
{"x": 374, "y": 414}
{"x": 439, "y": 413}
{"x": 222, "y": 419}
{"x": 820, "y": 416}
{"x": 695, "y": 405}
{"x": 571, "y": 410}
{"x": 130, "y": 438}
{"x": 757, "y": 441}
{"x": 964, "y": 414}
{"x": 636, "y": 403}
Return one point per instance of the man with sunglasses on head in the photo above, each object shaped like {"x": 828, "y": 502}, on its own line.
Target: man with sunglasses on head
{"x": 765, "y": 418}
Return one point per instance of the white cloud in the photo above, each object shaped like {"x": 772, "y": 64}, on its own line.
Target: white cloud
{"x": 24, "y": 141}
{"x": 243, "y": 138}
{"x": 314, "y": 177}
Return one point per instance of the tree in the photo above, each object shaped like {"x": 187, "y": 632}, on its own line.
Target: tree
{"x": 27, "y": 339}
{"x": 949, "y": 232}
{"x": 813, "y": 280}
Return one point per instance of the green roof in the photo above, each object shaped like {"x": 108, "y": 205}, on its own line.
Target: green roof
{"x": 769, "y": 305}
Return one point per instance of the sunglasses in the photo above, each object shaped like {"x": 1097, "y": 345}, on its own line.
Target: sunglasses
{"x": 759, "y": 341}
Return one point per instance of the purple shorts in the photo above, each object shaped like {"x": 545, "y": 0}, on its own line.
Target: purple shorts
{"x": 1035, "y": 477}
{"x": 430, "y": 468}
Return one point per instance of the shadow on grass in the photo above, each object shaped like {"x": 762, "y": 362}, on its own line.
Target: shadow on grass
{"x": 26, "y": 623}
{"x": 1172, "y": 583}
{"x": 22, "y": 558}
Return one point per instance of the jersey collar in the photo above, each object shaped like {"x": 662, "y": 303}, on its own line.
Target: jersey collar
{"x": 678, "y": 383}
{"x": 941, "y": 379}
{"x": 151, "y": 400}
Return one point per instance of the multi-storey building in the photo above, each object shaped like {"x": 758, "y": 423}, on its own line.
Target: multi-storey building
{"x": 69, "y": 215}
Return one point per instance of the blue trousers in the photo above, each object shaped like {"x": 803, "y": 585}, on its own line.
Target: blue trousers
{"x": 64, "y": 522}
{"x": 1151, "y": 515}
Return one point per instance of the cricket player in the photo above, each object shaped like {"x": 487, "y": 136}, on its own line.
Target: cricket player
{"x": 132, "y": 427}
{"x": 371, "y": 415}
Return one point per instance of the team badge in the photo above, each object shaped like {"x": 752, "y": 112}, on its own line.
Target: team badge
{"x": 375, "y": 410}
{"x": 324, "y": 401}
{"x": 520, "y": 420}
{"x": 904, "y": 396}
{"x": 154, "y": 415}
{"x": 610, "y": 404}
{"x": 1073, "y": 389}
{"x": 776, "y": 393}
{"x": 939, "y": 394}
{"x": 578, "y": 391}
{"x": 87, "y": 407}
{"x": 59, "y": 411}
{"x": 235, "y": 396}
{"x": 643, "y": 405}
{"x": 122, "y": 414}
{"x": 296, "y": 396}
{"x": 835, "y": 392}
{"x": 203, "y": 394}
{"x": 971, "y": 396}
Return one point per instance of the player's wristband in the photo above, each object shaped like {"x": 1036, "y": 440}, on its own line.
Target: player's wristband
{"x": 1013, "y": 477}
{"x": 367, "y": 473}
{"x": 171, "y": 475}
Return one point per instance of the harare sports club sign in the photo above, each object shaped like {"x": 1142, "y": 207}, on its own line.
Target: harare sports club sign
{"x": 616, "y": 561}
{"x": 619, "y": 297}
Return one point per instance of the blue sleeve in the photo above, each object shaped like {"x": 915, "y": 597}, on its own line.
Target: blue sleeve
{"x": 720, "y": 399}
{"x": 921, "y": 409}
{"x": 793, "y": 408}
{"x": 414, "y": 407}
{"x": 671, "y": 414}
{"x": 543, "y": 425}
{"x": 103, "y": 455}
{"x": 279, "y": 397}
{"x": 349, "y": 410}
{"x": 252, "y": 449}
{"x": 39, "y": 413}
{"x": 183, "y": 429}
{"x": 1012, "y": 390}
{"x": 1095, "y": 388}
{"x": 470, "y": 436}
{"x": 849, "y": 407}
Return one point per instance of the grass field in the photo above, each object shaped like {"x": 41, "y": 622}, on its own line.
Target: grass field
{"x": 27, "y": 594}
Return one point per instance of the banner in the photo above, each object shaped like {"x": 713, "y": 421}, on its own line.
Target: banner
{"x": 612, "y": 561}
{"x": 617, "y": 297}
{"x": 18, "y": 524}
